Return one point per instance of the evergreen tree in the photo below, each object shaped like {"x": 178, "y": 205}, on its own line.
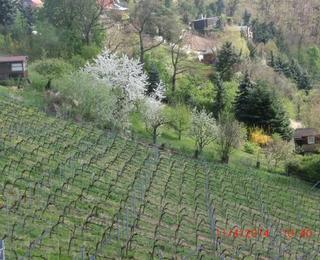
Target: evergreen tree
{"x": 263, "y": 32}
{"x": 242, "y": 99}
{"x": 252, "y": 50}
{"x": 226, "y": 59}
{"x": 28, "y": 15}
{"x": 168, "y": 3}
{"x": 154, "y": 80}
{"x": 271, "y": 61}
{"x": 291, "y": 70}
{"x": 280, "y": 122}
{"x": 246, "y": 17}
{"x": 220, "y": 7}
{"x": 219, "y": 103}
{"x": 212, "y": 8}
{"x": 258, "y": 107}
{"x": 304, "y": 82}
{"x": 8, "y": 10}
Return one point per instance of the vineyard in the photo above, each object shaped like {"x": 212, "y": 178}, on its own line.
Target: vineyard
{"x": 72, "y": 192}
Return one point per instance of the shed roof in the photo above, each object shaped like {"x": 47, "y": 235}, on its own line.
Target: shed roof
{"x": 198, "y": 43}
{"x": 215, "y": 18}
{"x": 303, "y": 132}
{"x": 12, "y": 58}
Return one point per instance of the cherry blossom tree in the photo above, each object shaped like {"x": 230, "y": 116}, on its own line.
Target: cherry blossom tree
{"x": 121, "y": 73}
{"x": 125, "y": 78}
{"x": 153, "y": 112}
{"x": 203, "y": 129}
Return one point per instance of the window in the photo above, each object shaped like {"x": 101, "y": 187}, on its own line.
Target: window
{"x": 16, "y": 67}
{"x": 311, "y": 140}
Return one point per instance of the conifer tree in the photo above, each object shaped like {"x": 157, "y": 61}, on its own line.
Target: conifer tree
{"x": 154, "y": 80}
{"x": 242, "y": 99}
{"x": 227, "y": 58}
{"x": 220, "y": 7}
{"x": 246, "y": 17}
{"x": 219, "y": 103}
{"x": 271, "y": 62}
{"x": 8, "y": 10}
{"x": 258, "y": 107}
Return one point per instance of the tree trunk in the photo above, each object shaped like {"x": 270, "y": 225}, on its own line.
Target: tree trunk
{"x": 196, "y": 154}
{"x": 174, "y": 81}
{"x": 225, "y": 158}
{"x": 87, "y": 38}
{"x": 179, "y": 135}
{"x": 154, "y": 136}
{"x": 141, "y": 48}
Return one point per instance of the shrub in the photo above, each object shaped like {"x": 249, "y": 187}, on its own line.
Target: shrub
{"x": 306, "y": 168}
{"x": 38, "y": 81}
{"x": 52, "y": 68}
{"x": 84, "y": 97}
{"x": 257, "y": 136}
{"x": 89, "y": 52}
{"x": 8, "y": 82}
{"x": 49, "y": 69}
{"x": 77, "y": 61}
{"x": 250, "y": 148}
{"x": 277, "y": 151}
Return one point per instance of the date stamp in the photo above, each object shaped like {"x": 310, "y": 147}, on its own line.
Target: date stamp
{"x": 289, "y": 233}
{"x": 243, "y": 233}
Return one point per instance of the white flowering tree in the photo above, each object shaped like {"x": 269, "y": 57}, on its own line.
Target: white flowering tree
{"x": 121, "y": 73}
{"x": 125, "y": 77}
{"x": 203, "y": 129}
{"x": 154, "y": 117}
{"x": 153, "y": 112}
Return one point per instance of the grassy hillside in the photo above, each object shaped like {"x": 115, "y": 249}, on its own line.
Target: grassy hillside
{"x": 68, "y": 191}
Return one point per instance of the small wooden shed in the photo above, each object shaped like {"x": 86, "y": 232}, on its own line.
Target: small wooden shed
{"x": 307, "y": 140}
{"x": 13, "y": 67}
{"x": 205, "y": 24}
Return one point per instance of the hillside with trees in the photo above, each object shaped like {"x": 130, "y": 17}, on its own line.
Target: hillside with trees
{"x": 159, "y": 129}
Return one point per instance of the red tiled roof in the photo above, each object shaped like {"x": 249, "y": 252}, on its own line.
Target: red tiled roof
{"x": 12, "y": 58}
{"x": 36, "y": 3}
{"x": 106, "y": 4}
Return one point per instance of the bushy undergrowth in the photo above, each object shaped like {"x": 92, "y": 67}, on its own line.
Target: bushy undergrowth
{"x": 45, "y": 70}
{"x": 306, "y": 168}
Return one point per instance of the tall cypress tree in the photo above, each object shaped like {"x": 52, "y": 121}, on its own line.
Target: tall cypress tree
{"x": 219, "y": 103}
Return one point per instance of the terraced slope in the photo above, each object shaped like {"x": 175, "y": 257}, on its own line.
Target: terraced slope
{"x": 68, "y": 192}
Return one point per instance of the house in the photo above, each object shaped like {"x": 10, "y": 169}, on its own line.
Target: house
{"x": 205, "y": 24}
{"x": 246, "y": 31}
{"x": 203, "y": 47}
{"x": 13, "y": 67}
{"x": 307, "y": 140}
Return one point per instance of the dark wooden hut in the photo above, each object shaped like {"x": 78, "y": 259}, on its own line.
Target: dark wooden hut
{"x": 307, "y": 140}
{"x": 13, "y": 67}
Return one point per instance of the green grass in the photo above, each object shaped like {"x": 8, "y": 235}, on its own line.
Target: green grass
{"x": 67, "y": 190}
{"x": 232, "y": 34}
{"x": 239, "y": 158}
